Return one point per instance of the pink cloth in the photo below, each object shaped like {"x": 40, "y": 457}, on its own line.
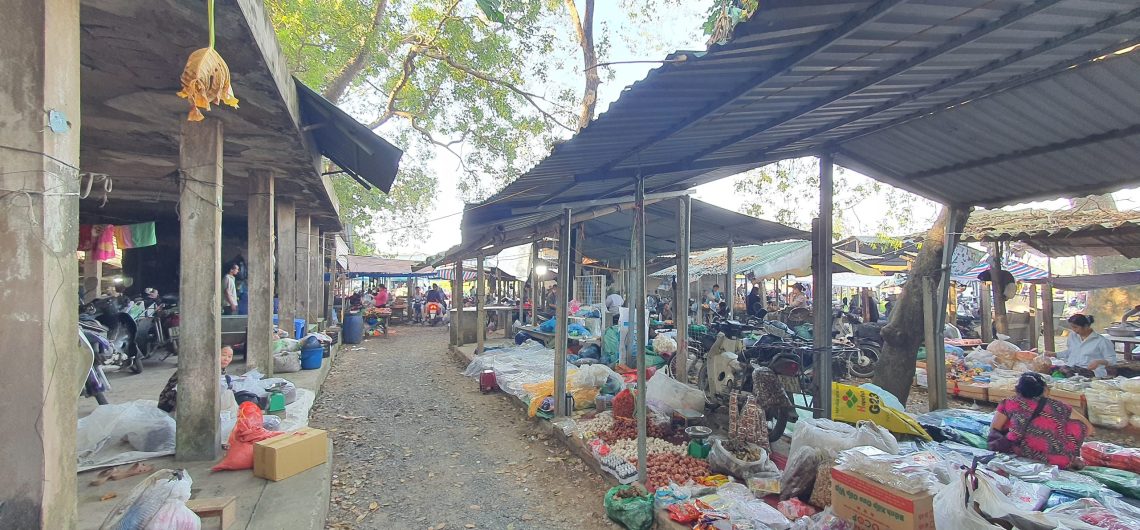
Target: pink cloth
{"x": 104, "y": 242}
{"x": 1052, "y": 437}
{"x": 381, "y": 298}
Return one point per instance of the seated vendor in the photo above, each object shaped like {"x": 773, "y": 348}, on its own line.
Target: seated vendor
{"x": 1034, "y": 426}
{"x": 1087, "y": 349}
{"x": 168, "y": 398}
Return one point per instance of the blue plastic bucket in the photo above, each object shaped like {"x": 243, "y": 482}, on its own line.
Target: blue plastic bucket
{"x": 298, "y": 328}
{"x": 311, "y": 358}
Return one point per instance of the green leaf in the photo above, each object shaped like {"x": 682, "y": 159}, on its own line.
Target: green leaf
{"x": 493, "y": 10}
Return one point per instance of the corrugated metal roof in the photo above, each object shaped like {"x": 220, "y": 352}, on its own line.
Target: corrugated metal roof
{"x": 968, "y": 102}
{"x": 764, "y": 261}
{"x": 374, "y": 266}
{"x": 1085, "y": 230}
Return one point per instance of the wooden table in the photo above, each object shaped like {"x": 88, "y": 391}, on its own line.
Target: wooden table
{"x": 533, "y": 331}
{"x": 1124, "y": 345}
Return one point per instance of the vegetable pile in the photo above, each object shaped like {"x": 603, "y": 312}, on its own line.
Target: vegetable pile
{"x": 625, "y": 428}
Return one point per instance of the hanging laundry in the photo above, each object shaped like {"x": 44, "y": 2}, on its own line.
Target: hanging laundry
{"x": 104, "y": 236}
{"x": 135, "y": 236}
{"x": 86, "y": 238}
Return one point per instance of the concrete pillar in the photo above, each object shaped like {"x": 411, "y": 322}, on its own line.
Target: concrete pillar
{"x": 821, "y": 277}
{"x": 330, "y": 269}
{"x": 533, "y": 284}
{"x": 1047, "y": 315}
{"x": 200, "y": 290}
{"x": 92, "y": 277}
{"x": 259, "y": 257}
{"x": 286, "y": 263}
{"x": 681, "y": 304}
{"x": 641, "y": 336}
{"x": 730, "y": 286}
{"x": 457, "y": 302}
{"x": 986, "y": 309}
{"x": 40, "y": 291}
{"x": 304, "y": 223}
{"x": 316, "y": 275}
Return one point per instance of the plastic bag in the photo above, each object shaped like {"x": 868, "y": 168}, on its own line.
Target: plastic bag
{"x": 634, "y": 513}
{"x": 286, "y": 362}
{"x": 1111, "y": 455}
{"x": 821, "y": 490}
{"x": 795, "y": 508}
{"x": 800, "y": 471}
{"x": 1092, "y": 512}
{"x": 1106, "y": 408}
{"x": 664, "y": 344}
{"x": 764, "y": 483}
{"x": 673, "y": 393}
{"x": 281, "y": 345}
{"x": 249, "y": 430}
{"x": 952, "y": 509}
{"x": 163, "y": 492}
{"x": 1124, "y": 482}
{"x": 1002, "y": 346}
{"x": 99, "y": 436}
{"x": 721, "y": 460}
{"x": 835, "y": 437}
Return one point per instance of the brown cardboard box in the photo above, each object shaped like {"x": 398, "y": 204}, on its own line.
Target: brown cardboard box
{"x": 1073, "y": 399}
{"x": 966, "y": 390}
{"x": 874, "y": 506}
{"x": 281, "y": 457}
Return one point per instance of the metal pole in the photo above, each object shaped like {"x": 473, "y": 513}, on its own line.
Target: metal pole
{"x": 821, "y": 277}
{"x": 681, "y": 304}
{"x": 480, "y": 302}
{"x": 730, "y": 289}
{"x": 936, "y": 350}
{"x": 641, "y": 337}
{"x": 561, "y": 314}
{"x": 534, "y": 283}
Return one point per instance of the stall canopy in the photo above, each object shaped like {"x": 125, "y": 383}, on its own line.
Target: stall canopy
{"x": 851, "y": 279}
{"x": 1020, "y": 271}
{"x": 972, "y": 102}
{"x": 1094, "y": 281}
{"x": 448, "y": 273}
{"x": 1093, "y": 227}
{"x": 765, "y": 261}
{"x": 373, "y": 267}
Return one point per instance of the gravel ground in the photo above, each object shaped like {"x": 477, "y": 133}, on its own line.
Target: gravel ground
{"x": 418, "y": 446}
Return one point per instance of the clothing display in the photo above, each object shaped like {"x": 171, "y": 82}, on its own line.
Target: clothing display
{"x": 135, "y": 236}
{"x": 103, "y": 240}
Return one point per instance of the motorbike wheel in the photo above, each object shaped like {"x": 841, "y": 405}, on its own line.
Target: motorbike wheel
{"x": 863, "y": 364}
{"x": 136, "y": 366}
{"x": 777, "y": 423}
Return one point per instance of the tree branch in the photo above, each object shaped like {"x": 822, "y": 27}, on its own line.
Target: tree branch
{"x": 584, "y": 27}
{"x": 528, "y": 96}
{"x": 339, "y": 84}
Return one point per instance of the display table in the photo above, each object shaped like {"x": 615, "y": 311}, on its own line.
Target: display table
{"x": 469, "y": 321}
{"x": 1124, "y": 345}
{"x": 535, "y": 333}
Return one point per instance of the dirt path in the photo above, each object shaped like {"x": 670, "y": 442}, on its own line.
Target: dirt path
{"x": 417, "y": 446}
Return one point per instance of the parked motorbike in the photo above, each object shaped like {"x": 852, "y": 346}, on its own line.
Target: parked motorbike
{"x": 158, "y": 327}
{"x": 418, "y": 310}
{"x": 91, "y": 342}
{"x": 119, "y": 329}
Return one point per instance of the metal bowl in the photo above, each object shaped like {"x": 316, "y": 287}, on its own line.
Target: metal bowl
{"x": 698, "y": 432}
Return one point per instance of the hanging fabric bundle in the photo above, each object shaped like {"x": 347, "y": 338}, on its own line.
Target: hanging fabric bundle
{"x": 206, "y": 78}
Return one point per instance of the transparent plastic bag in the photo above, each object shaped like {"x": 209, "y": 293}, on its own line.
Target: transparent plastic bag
{"x": 835, "y": 437}
{"x": 673, "y": 393}
{"x": 800, "y": 471}
{"x": 162, "y": 492}
{"x": 148, "y": 431}
{"x": 721, "y": 460}
{"x": 1106, "y": 408}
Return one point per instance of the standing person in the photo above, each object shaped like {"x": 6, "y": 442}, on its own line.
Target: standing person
{"x": 1087, "y": 349}
{"x": 368, "y": 299}
{"x": 382, "y": 296}
{"x": 753, "y": 305}
{"x": 552, "y": 300}
{"x": 418, "y": 304}
{"x": 230, "y": 304}
{"x": 1036, "y": 427}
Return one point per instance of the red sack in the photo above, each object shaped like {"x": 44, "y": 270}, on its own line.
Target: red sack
{"x": 623, "y": 404}
{"x": 684, "y": 512}
{"x": 249, "y": 430}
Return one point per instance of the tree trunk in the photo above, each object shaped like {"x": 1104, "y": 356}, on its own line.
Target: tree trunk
{"x": 904, "y": 331}
{"x": 584, "y": 26}
{"x": 339, "y": 84}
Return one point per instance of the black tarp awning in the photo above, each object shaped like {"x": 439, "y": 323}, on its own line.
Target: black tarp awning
{"x": 356, "y": 149}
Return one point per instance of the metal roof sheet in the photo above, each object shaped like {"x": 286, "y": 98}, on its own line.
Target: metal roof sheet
{"x": 1088, "y": 229}
{"x": 967, "y": 102}
{"x": 765, "y": 261}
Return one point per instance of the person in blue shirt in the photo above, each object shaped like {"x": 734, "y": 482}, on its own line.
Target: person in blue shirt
{"x": 1086, "y": 348}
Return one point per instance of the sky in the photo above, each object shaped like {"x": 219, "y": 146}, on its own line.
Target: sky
{"x": 677, "y": 29}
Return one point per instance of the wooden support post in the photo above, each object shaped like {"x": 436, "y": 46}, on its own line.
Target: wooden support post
{"x": 730, "y": 276}
{"x": 936, "y": 399}
{"x": 561, "y": 314}
{"x": 259, "y": 343}
{"x": 457, "y": 302}
{"x": 39, "y": 228}
{"x": 330, "y": 284}
{"x": 304, "y": 224}
{"x": 681, "y": 304}
{"x": 821, "y": 278}
{"x": 286, "y": 264}
{"x": 200, "y": 291}
{"x": 1034, "y": 321}
{"x": 534, "y": 281}
{"x": 936, "y": 347}
{"x": 316, "y": 276}
{"x": 480, "y": 304}
{"x": 1001, "y": 319}
{"x": 1047, "y": 317}
{"x": 985, "y": 296}
{"x": 92, "y": 277}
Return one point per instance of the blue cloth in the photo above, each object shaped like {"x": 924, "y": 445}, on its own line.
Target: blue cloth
{"x": 547, "y": 326}
{"x": 590, "y": 351}
{"x": 578, "y": 330}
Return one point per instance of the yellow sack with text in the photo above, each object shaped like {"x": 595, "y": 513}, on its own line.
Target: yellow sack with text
{"x": 853, "y": 404}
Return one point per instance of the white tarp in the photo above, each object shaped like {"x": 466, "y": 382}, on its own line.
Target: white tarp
{"x": 850, "y": 279}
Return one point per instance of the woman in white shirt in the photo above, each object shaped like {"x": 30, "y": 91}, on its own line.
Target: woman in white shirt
{"x": 1086, "y": 348}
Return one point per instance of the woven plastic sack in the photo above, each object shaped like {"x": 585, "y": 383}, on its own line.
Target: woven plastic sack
{"x": 635, "y": 513}
{"x": 721, "y": 460}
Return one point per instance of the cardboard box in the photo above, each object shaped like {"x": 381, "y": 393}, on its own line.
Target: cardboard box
{"x": 1073, "y": 399}
{"x": 874, "y": 506}
{"x": 967, "y": 390}
{"x": 283, "y": 456}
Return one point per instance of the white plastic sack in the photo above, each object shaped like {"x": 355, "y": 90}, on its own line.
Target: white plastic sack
{"x": 1002, "y": 346}
{"x": 286, "y": 362}
{"x": 835, "y": 437}
{"x": 158, "y": 502}
{"x": 664, "y": 344}
{"x": 721, "y": 460}
{"x": 123, "y": 433}
{"x": 1107, "y": 408}
{"x": 228, "y": 415}
{"x": 674, "y": 394}
{"x": 594, "y": 375}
